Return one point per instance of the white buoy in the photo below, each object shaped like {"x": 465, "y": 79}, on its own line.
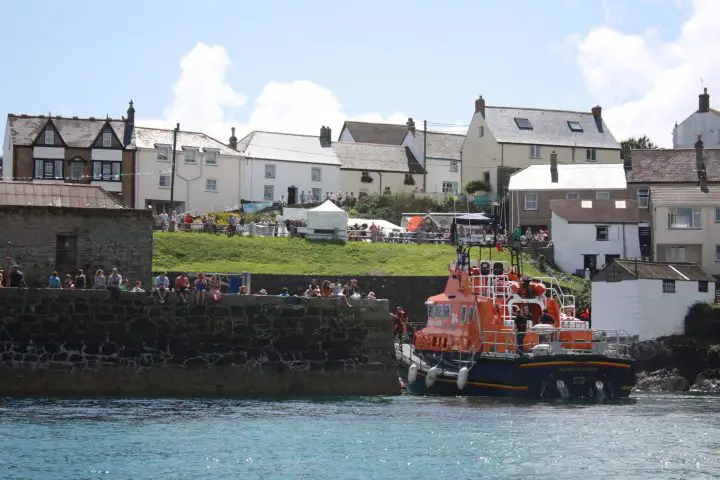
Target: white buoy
{"x": 462, "y": 378}
{"x": 412, "y": 373}
{"x": 431, "y": 377}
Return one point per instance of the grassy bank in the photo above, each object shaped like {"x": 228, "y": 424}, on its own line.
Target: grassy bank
{"x": 195, "y": 252}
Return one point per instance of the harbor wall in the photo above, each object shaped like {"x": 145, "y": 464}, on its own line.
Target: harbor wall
{"x": 82, "y": 343}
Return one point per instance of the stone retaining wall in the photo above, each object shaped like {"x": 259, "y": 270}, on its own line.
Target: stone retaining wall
{"x": 59, "y": 343}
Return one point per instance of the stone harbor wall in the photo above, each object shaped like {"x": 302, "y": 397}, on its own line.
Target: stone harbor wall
{"x": 60, "y": 343}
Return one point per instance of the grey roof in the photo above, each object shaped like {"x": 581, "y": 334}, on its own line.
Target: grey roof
{"x": 149, "y": 137}
{"x": 376, "y": 158}
{"x": 672, "y": 166}
{"x": 287, "y": 147}
{"x": 550, "y": 127}
{"x": 682, "y": 194}
{"x": 596, "y": 211}
{"x": 75, "y": 132}
{"x": 378, "y": 133}
{"x": 441, "y": 145}
{"x": 665, "y": 271}
{"x": 56, "y": 195}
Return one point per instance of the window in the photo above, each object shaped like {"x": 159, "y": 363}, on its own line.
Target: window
{"x": 575, "y": 126}
{"x": 572, "y": 196}
{"x": 454, "y": 166}
{"x": 48, "y": 169}
{"x": 106, "y": 171}
{"x": 211, "y": 158}
{"x": 163, "y": 153}
{"x": 531, "y": 201}
{"x": 523, "y": 123}
{"x": 481, "y": 131}
{"x": 643, "y": 197}
{"x": 591, "y": 155}
{"x": 703, "y": 286}
{"x": 210, "y": 185}
{"x": 164, "y": 180}
{"x": 316, "y": 174}
{"x": 189, "y": 156}
{"x": 268, "y": 190}
{"x": 486, "y": 178}
{"x": 463, "y": 313}
{"x": 534, "y": 151}
{"x": 409, "y": 179}
{"x": 49, "y": 136}
{"x": 317, "y": 194}
{"x": 676, "y": 254}
{"x": 446, "y": 310}
{"x": 668, "y": 286}
{"x": 269, "y": 170}
{"x": 684, "y": 218}
{"x": 602, "y": 195}
{"x": 387, "y": 191}
{"x": 717, "y": 253}
{"x": 76, "y": 170}
{"x": 107, "y": 139}
{"x": 601, "y": 233}
{"x": 449, "y": 188}
{"x": 717, "y": 214}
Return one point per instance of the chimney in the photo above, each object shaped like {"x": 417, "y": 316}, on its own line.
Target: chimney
{"x": 597, "y": 114}
{"x": 131, "y": 113}
{"x": 553, "y": 167}
{"x": 233, "y": 139}
{"x": 627, "y": 158}
{"x": 411, "y": 125}
{"x": 704, "y": 102}
{"x": 700, "y": 165}
{"x": 129, "y": 125}
{"x": 480, "y": 106}
{"x": 325, "y": 136}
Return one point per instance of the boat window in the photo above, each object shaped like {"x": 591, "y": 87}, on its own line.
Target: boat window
{"x": 430, "y": 310}
{"x": 471, "y": 314}
{"x": 446, "y": 313}
{"x": 463, "y": 312}
{"x": 438, "y": 311}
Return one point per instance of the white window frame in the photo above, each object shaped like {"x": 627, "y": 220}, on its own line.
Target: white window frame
{"x": 591, "y": 155}
{"x": 49, "y": 136}
{"x": 643, "y": 197}
{"x": 694, "y": 220}
{"x": 190, "y": 156}
{"x": 163, "y": 154}
{"x": 270, "y": 170}
{"x": 717, "y": 253}
{"x": 316, "y": 194}
{"x": 211, "y": 185}
{"x": 453, "y": 166}
{"x": 676, "y": 254}
{"x": 211, "y": 157}
{"x": 572, "y": 196}
{"x": 449, "y": 188}
{"x": 316, "y": 174}
{"x": 106, "y": 139}
{"x": 269, "y": 193}
{"x": 530, "y": 201}
{"x": 160, "y": 180}
{"x": 602, "y": 228}
{"x": 669, "y": 286}
{"x": 535, "y": 151}
{"x": 75, "y": 164}
{"x": 602, "y": 195}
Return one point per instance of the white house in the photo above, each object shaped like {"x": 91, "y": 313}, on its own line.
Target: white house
{"x": 704, "y": 121}
{"x": 648, "y": 299}
{"x": 207, "y": 172}
{"x": 288, "y": 167}
{"x": 592, "y": 233}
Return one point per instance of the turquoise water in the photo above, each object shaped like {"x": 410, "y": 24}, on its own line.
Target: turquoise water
{"x": 655, "y": 436}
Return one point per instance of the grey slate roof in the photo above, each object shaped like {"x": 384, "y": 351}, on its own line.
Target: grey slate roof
{"x": 441, "y": 145}
{"x": 376, "y": 158}
{"x": 671, "y": 166}
{"x": 149, "y": 137}
{"x": 599, "y": 211}
{"x": 75, "y": 132}
{"x": 287, "y": 147}
{"x": 550, "y": 127}
{"x": 56, "y": 195}
{"x": 378, "y": 133}
{"x": 665, "y": 271}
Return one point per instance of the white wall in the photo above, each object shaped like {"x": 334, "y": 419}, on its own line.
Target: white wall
{"x": 106, "y": 155}
{"x": 57, "y": 153}
{"x": 350, "y": 182}
{"x": 7, "y": 154}
{"x": 191, "y": 191}
{"x": 297, "y": 174}
{"x": 573, "y": 240}
{"x": 438, "y": 169}
{"x": 706, "y": 123}
{"x": 708, "y": 236}
{"x": 640, "y": 306}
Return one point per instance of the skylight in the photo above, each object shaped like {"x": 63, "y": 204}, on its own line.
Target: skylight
{"x": 575, "y": 126}
{"x": 523, "y": 123}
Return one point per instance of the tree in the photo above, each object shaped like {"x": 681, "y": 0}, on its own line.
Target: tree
{"x": 474, "y": 186}
{"x": 640, "y": 143}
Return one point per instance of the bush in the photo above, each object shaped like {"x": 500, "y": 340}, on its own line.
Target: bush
{"x": 703, "y": 321}
{"x": 391, "y": 207}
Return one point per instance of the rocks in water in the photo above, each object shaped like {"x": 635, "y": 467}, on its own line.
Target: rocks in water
{"x": 707, "y": 381}
{"x": 663, "y": 380}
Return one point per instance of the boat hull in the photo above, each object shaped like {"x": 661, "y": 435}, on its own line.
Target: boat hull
{"x": 559, "y": 376}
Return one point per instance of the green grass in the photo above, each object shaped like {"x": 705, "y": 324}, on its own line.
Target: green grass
{"x": 195, "y": 252}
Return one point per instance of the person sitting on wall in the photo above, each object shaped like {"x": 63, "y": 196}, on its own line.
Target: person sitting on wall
{"x": 54, "y": 281}
{"x": 182, "y": 283}
{"x": 162, "y": 285}
{"x": 113, "y": 284}
{"x": 80, "y": 280}
{"x": 546, "y": 318}
{"x": 17, "y": 278}
{"x": 138, "y": 287}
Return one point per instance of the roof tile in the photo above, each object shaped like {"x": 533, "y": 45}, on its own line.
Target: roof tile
{"x": 378, "y": 158}
{"x": 671, "y": 166}
{"x": 56, "y": 195}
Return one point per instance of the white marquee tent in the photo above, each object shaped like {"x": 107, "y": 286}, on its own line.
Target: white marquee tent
{"x": 327, "y": 221}
{"x": 384, "y": 225}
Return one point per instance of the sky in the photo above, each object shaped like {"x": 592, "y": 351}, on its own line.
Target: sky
{"x": 293, "y": 66}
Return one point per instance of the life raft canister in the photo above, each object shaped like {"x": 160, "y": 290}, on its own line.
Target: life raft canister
{"x": 515, "y": 287}
{"x": 537, "y": 289}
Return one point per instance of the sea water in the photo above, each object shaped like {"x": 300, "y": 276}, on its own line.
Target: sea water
{"x": 651, "y": 437}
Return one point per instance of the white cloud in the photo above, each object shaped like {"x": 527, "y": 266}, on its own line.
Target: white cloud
{"x": 646, "y": 83}
{"x": 204, "y": 101}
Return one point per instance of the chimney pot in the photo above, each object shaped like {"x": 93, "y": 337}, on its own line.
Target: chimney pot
{"x": 233, "y": 139}
{"x": 131, "y": 113}
{"x": 325, "y": 136}
{"x": 480, "y": 106}
{"x": 597, "y": 111}
{"x": 411, "y": 125}
{"x": 704, "y": 102}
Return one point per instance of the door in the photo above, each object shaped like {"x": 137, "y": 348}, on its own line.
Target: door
{"x": 292, "y": 196}
{"x": 590, "y": 261}
{"x": 610, "y": 258}
{"x": 66, "y": 253}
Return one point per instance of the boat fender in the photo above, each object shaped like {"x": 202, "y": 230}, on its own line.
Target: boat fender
{"x": 431, "y": 377}
{"x": 462, "y": 378}
{"x": 412, "y": 373}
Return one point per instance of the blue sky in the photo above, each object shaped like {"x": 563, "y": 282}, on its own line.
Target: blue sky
{"x": 424, "y": 59}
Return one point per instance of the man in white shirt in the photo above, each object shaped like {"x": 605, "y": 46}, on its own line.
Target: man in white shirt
{"x": 162, "y": 286}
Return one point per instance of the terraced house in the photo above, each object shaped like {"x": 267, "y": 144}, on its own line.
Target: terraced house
{"x": 57, "y": 149}
{"x": 502, "y": 140}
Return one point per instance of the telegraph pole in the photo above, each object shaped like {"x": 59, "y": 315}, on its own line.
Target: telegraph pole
{"x": 172, "y": 174}
{"x": 425, "y": 156}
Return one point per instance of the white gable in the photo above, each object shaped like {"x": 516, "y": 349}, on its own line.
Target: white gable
{"x": 570, "y": 177}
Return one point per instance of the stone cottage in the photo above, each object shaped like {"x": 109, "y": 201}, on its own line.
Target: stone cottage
{"x": 66, "y": 227}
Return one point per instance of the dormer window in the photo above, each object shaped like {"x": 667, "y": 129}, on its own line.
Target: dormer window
{"x": 210, "y": 157}
{"x": 523, "y": 123}
{"x": 575, "y": 126}
{"x": 49, "y": 136}
{"x": 189, "y": 156}
{"x": 106, "y": 139}
{"x": 163, "y": 153}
